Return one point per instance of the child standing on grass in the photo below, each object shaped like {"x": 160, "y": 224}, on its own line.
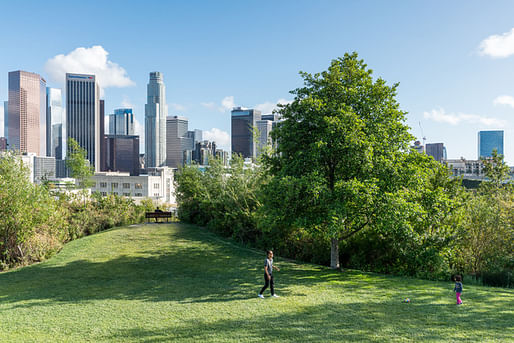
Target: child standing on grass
{"x": 268, "y": 275}
{"x": 458, "y": 289}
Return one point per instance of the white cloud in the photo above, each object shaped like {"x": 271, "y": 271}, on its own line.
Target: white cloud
{"x": 92, "y": 60}
{"x": 440, "y": 116}
{"x": 226, "y": 104}
{"x": 177, "y": 107}
{"x": 126, "y": 103}
{"x": 504, "y": 100}
{"x": 498, "y": 46}
{"x": 269, "y": 107}
{"x": 221, "y": 138}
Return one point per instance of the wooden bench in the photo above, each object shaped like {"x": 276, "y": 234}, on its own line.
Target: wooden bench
{"x": 158, "y": 215}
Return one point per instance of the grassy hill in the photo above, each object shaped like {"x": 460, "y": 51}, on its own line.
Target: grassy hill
{"x": 179, "y": 283}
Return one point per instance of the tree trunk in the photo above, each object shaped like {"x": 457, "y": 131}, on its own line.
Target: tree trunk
{"x": 334, "y": 253}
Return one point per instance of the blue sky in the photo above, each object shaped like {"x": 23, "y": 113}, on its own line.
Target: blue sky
{"x": 454, "y": 60}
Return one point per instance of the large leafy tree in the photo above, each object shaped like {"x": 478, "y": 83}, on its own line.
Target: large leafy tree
{"x": 78, "y": 164}
{"x": 342, "y": 155}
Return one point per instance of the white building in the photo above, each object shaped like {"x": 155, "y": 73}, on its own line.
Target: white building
{"x": 157, "y": 185}
{"x": 40, "y": 167}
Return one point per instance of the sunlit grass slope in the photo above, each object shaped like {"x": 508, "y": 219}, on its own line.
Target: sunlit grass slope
{"x": 179, "y": 283}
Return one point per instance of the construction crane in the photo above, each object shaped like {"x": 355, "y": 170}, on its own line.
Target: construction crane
{"x": 422, "y": 134}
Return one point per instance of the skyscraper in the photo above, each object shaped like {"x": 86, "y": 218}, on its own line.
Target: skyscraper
{"x": 488, "y": 141}
{"x": 122, "y": 153}
{"x": 436, "y": 150}
{"x": 243, "y": 123}
{"x": 121, "y": 122}
{"x": 83, "y": 114}
{"x": 264, "y": 128}
{"x": 26, "y": 112}
{"x": 55, "y": 126}
{"x": 156, "y": 112}
{"x": 177, "y": 141}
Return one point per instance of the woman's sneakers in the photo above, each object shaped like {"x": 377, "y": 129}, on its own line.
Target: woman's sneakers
{"x": 261, "y": 296}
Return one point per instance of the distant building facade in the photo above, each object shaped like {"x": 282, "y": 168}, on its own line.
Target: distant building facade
{"x": 55, "y": 124}
{"x": 83, "y": 120}
{"x": 157, "y": 185}
{"x": 6, "y": 118}
{"x": 436, "y": 150}
{"x": 156, "y": 112}
{"x": 243, "y": 122}
{"x": 121, "y": 122}
{"x": 3, "y": 143}
{"x": 122, "y": 153}
{"x": 488, "y": 141}
{"x": 27, "y": 112}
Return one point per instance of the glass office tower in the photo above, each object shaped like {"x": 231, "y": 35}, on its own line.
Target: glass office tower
{"x": 83, "y": 121}
{"x": 55, "y": 127}
{"x": 121, "y": 122}
{"x": 156, "y": 112}
{"x": 488, "y": 141}
{"x": 243, "y": 123}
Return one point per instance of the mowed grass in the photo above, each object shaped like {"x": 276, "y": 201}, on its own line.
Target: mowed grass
{"x": 179, "y": 283}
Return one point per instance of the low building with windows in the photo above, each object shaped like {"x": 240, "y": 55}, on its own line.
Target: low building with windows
{"x": 157, "y": 185}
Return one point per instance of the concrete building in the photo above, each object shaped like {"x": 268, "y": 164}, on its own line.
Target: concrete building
{"x": 177, "y": 140}
{"x": 243, "y": 122}
{"x": 3, "y": 143}
{"x": 156, "y": 112}
{"x": 122, "y": 153}
{"x": 436, "y": 150}
{"x": 40, "y": 167}
{"x": 83, "y": 120}
{"x": 121, "y": 122}
{"x": 27, "y": 112}
{"x": 56, "y": 127}
{"x": 488, "y": 141}
{"x": 156, "y": 185}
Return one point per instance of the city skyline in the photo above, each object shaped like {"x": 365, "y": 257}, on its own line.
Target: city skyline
{"x": 455, "y": 77}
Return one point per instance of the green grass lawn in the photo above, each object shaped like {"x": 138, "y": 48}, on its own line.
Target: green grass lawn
{"x": 179, "y": 283}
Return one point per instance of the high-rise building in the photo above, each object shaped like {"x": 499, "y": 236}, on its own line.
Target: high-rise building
{"x": 3, "y": 143}
{"x": 243, "y": 123}
{"x": 436, "y": 150}
{"x": 83, "y": 122}
{"x": 488, "y": 141}
{"x": 177, "y": 141}
{"x": 156, "y": 112}
{"x": 27, "y": 112}
{"x": 264, "y": 128}
{"x": 103, "y": 139}
{"x": 122, "y": 153}
{"x": 55, "y": 124}
{"x": 6, "y": 117}
{"x": 121, "y": 122}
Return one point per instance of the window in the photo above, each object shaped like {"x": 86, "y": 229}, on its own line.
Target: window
{"x": 138, "y": 194}
{"x": 93, "y": 185}
{"x": 126, "y": 185}
{"x": 114, "y": 184}
{"x": 156, "y": 186}
{"x": 156, "y": 194}
{"x": 138, "y": 186}
{"x": 126, "y": 194}
{"x": 103, "y": 185}
{"x": 104, "y": 193}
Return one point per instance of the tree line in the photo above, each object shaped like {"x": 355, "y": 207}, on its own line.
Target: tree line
{"x": 341, "y": 187}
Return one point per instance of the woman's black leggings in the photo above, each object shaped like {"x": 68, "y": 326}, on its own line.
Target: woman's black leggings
{"x": 268, "y": 283}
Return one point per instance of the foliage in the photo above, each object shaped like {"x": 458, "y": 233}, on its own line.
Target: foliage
{"x": 25, "y": 208}
{"x": 77, "y": 163}
{"x": 224, "y": 199}
{"x": 487, "y": 242}
{"x": 342, "y": 157}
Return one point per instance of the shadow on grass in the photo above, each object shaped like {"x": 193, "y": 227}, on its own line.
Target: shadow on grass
{"x": 351, "y": 322}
